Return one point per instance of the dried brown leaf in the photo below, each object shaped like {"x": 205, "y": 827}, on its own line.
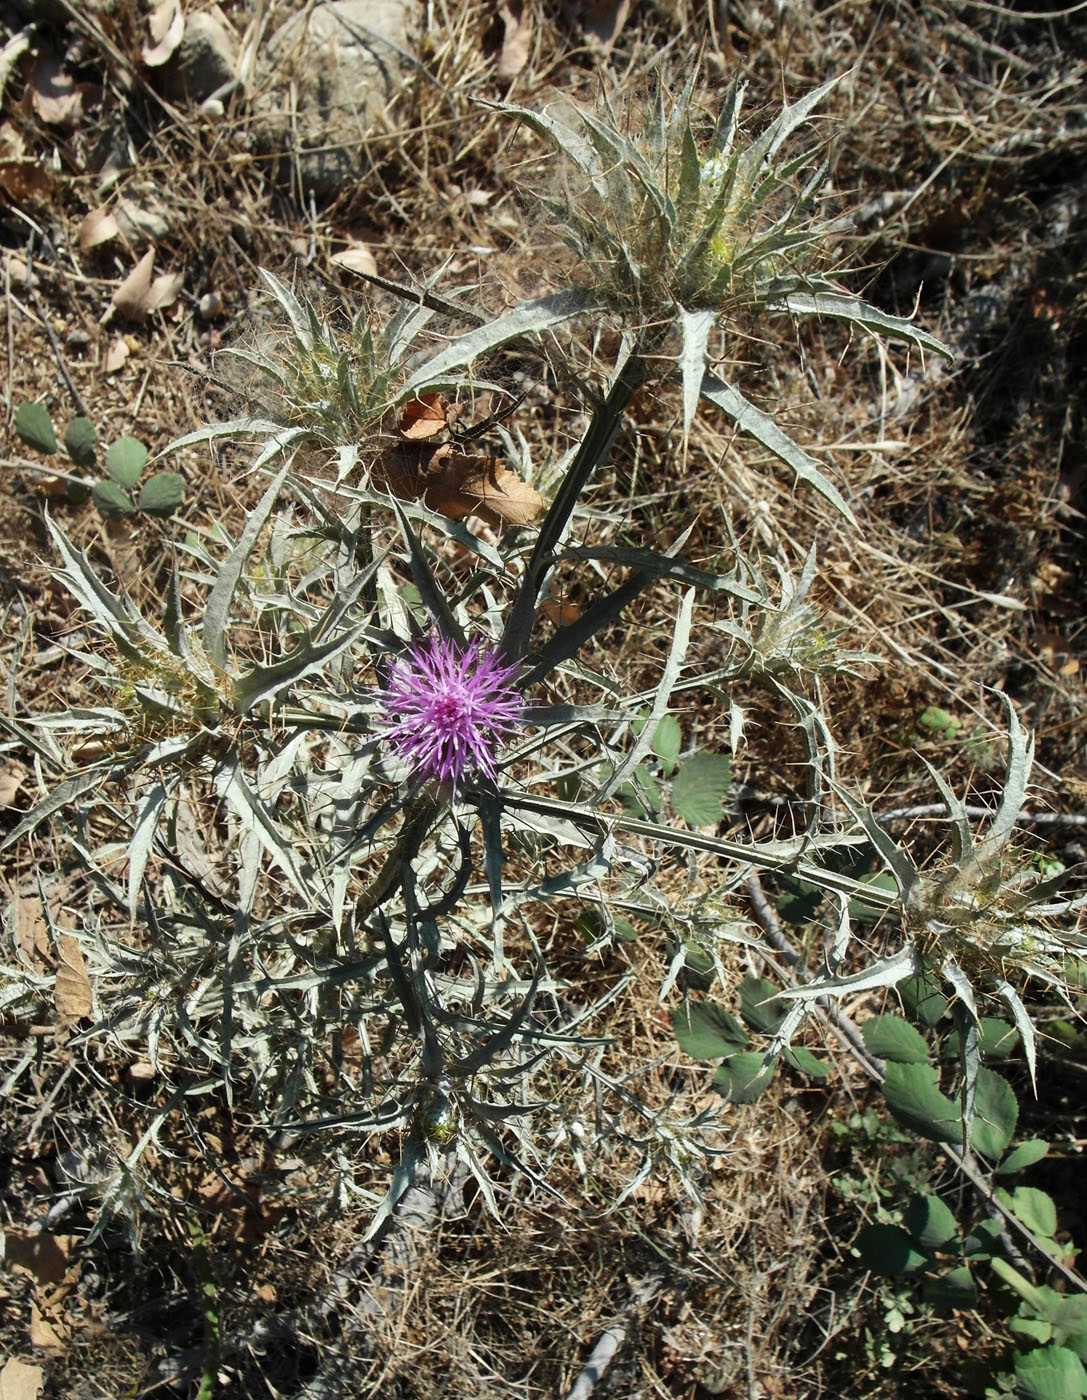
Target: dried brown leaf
{"x": 425, "y": 417}
{"x": 356, "y": 258}
{"x": 20, "y": 177}
{"x": 43, "y": 1256}
{"x": 516, "y": 41}
{"x": 483, "y": 486}
{"x": 18, "y": 1381}
{"x": 12, "y": 777}
{"x": 47, "y": 1330}
{"x": 72, "y": 992}
{"x": 53, "y": 95}
{"x": 116, "y": 355}
{"x": 167, "y": 25}
{"x": 31, "y": 934}
{"x": 164, "y": 290}
{"x": 130, "y": 298}
{"x": 99, "y": 226}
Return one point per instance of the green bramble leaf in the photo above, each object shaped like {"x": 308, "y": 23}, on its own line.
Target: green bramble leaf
{"x": 162, "y": 493}
{"x": 1033, "y": 1207}
{"x": 760, "y": 1006}
{"x": 1050, "y": 1373}
{"x": 997, "y": 1111}
{"x": 79, "y": 441}
{"x": 706, "y": 1031}
{"x": 892, "y": 1038}
{"x": 743, "y": 1078}
{"x": 802, "y": 1059}
{"x": 125, "y": 460}
{"x": 956, "y": 1289}
{"x": 699, "y": 788}
{"x": 35, "y": 428}
{"x": 923, "y": 999}
{"x": 889, "y": 1250}
{"x": 112, "y": 502}
{"x": 913, "y": 1095}
{"x": 667, "y": 742}
{"x": 930, "y": 1222}
{"x": 1022, "y": 1156}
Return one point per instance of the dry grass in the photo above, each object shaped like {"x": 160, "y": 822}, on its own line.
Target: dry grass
{"x": 961, "y": 137}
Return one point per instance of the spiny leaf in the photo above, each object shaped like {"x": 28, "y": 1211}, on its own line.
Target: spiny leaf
{"x": 764, "y": 430}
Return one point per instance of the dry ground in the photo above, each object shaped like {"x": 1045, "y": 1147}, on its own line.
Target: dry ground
{"x": 960, "y": 140}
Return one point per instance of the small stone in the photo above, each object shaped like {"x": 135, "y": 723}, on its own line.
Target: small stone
{"x": 205, "y": 60}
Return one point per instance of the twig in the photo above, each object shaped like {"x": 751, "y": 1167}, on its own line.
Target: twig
{"x": 611, "y": 1339}
{"x": 978, "y": 813}
{"x": 58, "y": 353}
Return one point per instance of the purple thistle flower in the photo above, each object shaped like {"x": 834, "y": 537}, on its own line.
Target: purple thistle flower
{"x": 446, "y": 712}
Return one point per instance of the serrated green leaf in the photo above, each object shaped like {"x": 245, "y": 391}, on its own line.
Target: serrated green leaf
{"x": 888, "y": 1250}
{"x": 667, "y": 742}
{"x": 79, "y": 440}
{"x": 706, "y": 1031}
{"x": 125, "y": 460}
{"x": 923, "y": 999}
{"x": 1050, "y": 1373}
{"x": 743, "y": 1078}
{"x": 802, "y": 1059}
{"x": 956, "y": 1289}
{"x": 800, "y": 903}
{"x": 162, "y": 493}
{"x": 983, "y": 1238}
{"x": 996, "y": 1040}
{"x": 759, "y": 1005}
{"x": 996, "y": 1110}
{"x": 892, "y": 1038}
{"x": 111, "y": 501}
{"x": 930, "y": 1222}
{"x": 35, "y": 428}
{"x": 699, "y": 788}
{"x": 913, "y": 1095}
{"x": 1033, "y": 1207}
{"x": 1022, "y": 1156}
{"x": 642, "y": 794}
{"x": 996, "y": 1113}
{"x": 863, "y": 913}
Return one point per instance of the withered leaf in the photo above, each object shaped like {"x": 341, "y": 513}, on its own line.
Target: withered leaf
{"x": 53, "y": 95}
{"x": 167, "y": 25}
{"x": 425, "y": 417}
{"x": 72, "y": 991}
{"x": 357, "y": 258}
{"x": 130, "y": 298}
{"x": 43, "y": 1256}
{"x": 482, "y": 486}
{"x": 516, "y": 41}
{"x": 99, "y": 226}
{"x": 31, "y": 935}
{"x": 18, "y": 1381}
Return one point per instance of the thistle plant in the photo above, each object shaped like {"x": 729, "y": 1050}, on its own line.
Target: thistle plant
{"x": 351, "y": 783}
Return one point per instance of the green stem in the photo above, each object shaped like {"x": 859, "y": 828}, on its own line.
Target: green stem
{"x": 594, "y": 448}
{"x": 213, "y": 1340}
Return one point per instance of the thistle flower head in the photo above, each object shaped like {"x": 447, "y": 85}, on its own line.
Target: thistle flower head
{"x": 446, "y": 711}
